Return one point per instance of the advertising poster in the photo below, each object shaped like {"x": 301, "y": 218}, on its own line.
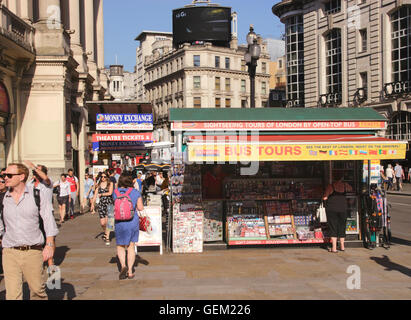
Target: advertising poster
{"x": 97, "y": 169}
{"x": 153, "y": 238}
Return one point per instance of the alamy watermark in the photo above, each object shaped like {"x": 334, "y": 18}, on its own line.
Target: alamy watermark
{"x": 54, "y": 17}
{"x": 54, "y": 278}
{"x": 354, "y": 280}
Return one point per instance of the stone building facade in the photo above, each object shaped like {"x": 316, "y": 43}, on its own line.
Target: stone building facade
{"x": 151, "y": 43}
{"x": 52, "y": 52}
{"x": 348, "y": 53}
{"x": 202, "y": 76}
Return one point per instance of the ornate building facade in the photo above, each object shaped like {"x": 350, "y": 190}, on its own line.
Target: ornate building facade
{"x": 345, "y": 53}
{"x": 201, "y": 76}
{"x": 52, "y": 52}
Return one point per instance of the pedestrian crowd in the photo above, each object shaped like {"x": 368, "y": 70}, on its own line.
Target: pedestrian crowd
{"x": 394, "y": 177}
{"x": 28, "y": 228}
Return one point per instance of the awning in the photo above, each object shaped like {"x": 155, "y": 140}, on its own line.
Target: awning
{"x": 293, "y": 148}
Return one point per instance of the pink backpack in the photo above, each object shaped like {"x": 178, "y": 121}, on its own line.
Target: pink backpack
{"x": 123, "y": 206}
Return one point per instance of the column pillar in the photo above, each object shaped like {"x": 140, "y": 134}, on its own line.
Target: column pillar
{"x": 50, "y": 9}
{"x": 100, "y": 35}
{"x": 74, "y": 17}
{"x": 12, "y": 6}
{"x": 26, "y": 10}
{"x": 89, "y": 29}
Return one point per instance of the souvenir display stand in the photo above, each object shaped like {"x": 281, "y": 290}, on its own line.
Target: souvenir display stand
{"x": 277, "y": 164}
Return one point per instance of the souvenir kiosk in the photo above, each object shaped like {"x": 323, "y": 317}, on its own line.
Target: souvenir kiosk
{"x": 273, "y": 168}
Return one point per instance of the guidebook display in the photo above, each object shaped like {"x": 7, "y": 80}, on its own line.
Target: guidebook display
{"x": 273, "y": 210}
{"x": 213, "y": 221}
{"x": 188, "y": 231}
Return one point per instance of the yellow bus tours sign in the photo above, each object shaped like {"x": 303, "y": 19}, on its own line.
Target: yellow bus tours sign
{"x": 232, "y": 152}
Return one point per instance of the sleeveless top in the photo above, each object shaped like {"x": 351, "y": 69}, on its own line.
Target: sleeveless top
{"x": 337, "y": 201}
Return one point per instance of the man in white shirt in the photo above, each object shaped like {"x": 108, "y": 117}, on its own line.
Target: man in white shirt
{"x": 389, "y": 173}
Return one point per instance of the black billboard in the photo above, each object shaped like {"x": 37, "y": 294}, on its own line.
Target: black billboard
{"x": 211, "y": 24}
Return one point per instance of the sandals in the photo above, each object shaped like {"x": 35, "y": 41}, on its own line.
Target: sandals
{"x": 131, "y": 276}
{"x": 123, "y": 274}
{"x": 331, "y": 250}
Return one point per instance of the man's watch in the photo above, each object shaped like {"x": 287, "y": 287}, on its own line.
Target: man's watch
{"x": 50, "y": 244}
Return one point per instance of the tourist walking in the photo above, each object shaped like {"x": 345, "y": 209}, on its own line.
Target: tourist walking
{"x": 43, "y": 184}
{"x": 74, "y": 190}
{"x": 103, "y": 191}
{"x": 399, "y": 176}
{"x": 389, "y": 173}
{"x": 336, "y": 210}
{"x": 88, "y": 192}
{"x": 127, "y": 232}
{"x": 63, "y": 196}
{"x": 23, "y": 251}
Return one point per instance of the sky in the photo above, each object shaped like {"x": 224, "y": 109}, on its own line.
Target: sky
{"x": 124, "y": 20}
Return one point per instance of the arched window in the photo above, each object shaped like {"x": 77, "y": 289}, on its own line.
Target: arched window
{"x": 401, "y": 44}
{"x": 399, "y": 127}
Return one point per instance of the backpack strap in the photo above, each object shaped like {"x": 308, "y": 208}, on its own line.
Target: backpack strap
{"x": 1, "y": 208}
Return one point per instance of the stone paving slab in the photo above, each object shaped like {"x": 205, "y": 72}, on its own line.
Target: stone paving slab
{"x": 89, "y": 271}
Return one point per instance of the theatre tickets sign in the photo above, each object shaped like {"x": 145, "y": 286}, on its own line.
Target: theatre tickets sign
{"x": 124, "y": 122}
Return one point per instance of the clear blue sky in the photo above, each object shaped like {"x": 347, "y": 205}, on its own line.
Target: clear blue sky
{"x": 124, "y": 20}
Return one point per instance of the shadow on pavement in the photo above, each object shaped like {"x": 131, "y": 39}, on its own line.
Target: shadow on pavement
{"x": 60, "y": 254}
{"x": 390, "y": 266}
{"x": 401, "y": 241}
{"x": 65, "y": 292}
{"x": 139, "y": 259}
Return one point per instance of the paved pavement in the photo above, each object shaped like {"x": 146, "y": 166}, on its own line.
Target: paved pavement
{"x": 89, "y": 270}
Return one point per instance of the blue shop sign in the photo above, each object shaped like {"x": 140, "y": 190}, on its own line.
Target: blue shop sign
{"x": 124, "y": 121}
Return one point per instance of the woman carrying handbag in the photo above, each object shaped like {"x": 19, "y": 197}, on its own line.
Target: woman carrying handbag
{"x": 336, "y": 210}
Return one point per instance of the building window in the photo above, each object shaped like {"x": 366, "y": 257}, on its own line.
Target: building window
{"x": 217, "y": 83}
{"x": 401, "y": 44}
{"x": 228, "y": 103}
{"x": 263, "y": 87}
{"x": 217, "y": 62}
{"x": 227, "y": 63}
{"x": 196, "y": 61}
{"x": 364, "y": 80}
{"x": 243, "y": 103}
{"x": 399, "y": 127}
{"x": 243, "y": 65}
{"x": 264, "y": 67}
{"x": 227, "y": 84}
{"x": 363, "y": 40}
{"x": 197, "y": 102}
{"x": 218, "y": 102}
{"x": 333, "y": 61}
{"x": 295, "y": 60}
{"x": 332, "y": 6}
{"x": 197, "y": 82}
{"x": 280, "y": 64}
{"x": 243, "y": 86}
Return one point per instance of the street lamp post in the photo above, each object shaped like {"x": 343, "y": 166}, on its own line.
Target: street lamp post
{"x": 251, "y": 57}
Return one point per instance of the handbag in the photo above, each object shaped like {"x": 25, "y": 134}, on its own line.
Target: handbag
{"x": 145, "y": 222}
{"x": 321, "y": 213}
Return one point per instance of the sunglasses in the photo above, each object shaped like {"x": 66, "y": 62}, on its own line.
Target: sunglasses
{"x": 11, "y": 175}
{"x": 104, "y": 176}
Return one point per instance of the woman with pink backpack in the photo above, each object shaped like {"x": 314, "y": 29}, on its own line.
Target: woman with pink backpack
{"x": 127, "y": 201}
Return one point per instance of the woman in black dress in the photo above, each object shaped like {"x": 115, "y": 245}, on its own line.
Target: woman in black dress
{"x": 104, "y": 191}
{"x": 336, "y": 209}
